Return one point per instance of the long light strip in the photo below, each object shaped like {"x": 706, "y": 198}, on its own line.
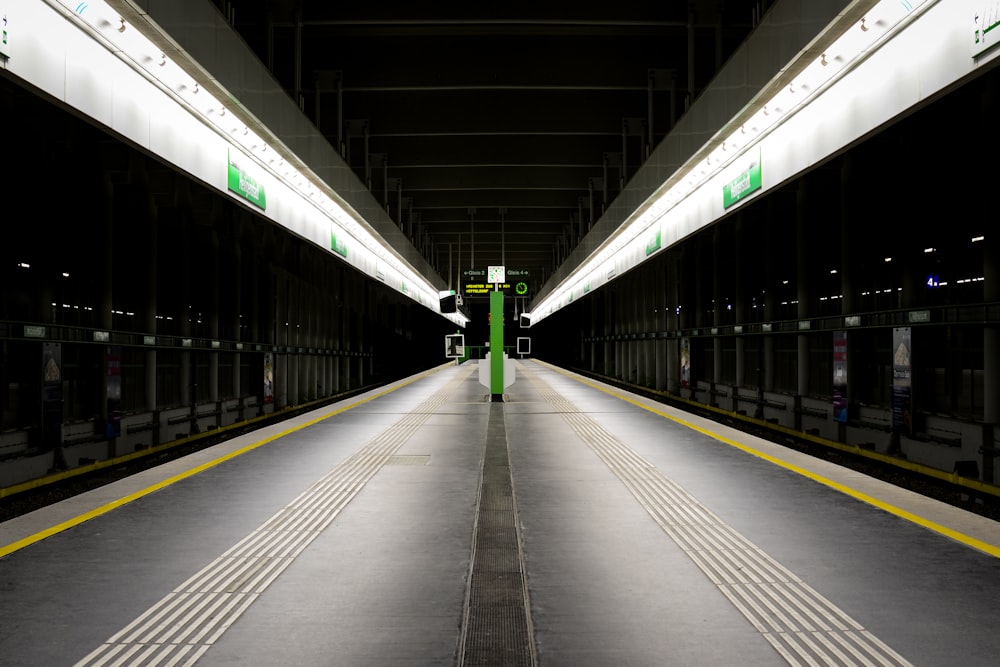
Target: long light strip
{"x": 129, "y": 42}
{"x": 884, "y": 19}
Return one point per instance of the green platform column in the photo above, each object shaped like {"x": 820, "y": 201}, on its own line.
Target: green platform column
{"x": 496, "y": 345}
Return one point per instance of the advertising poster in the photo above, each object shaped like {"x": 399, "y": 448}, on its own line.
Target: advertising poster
{"x": 52, "y": 403}
{"x": 685, "y": 362}
{"x": 901, "y": 380}
{"x": 840, "y": 376}
{"x": 268, "y": 377}
{"x": 113, "y": 364}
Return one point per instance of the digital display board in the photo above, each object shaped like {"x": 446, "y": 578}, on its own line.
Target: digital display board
{"x": 475, "y": 282}
{"x": 482, "y": 289}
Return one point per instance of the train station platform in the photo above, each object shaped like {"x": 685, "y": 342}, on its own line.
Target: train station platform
{"x": 571, "y": 524}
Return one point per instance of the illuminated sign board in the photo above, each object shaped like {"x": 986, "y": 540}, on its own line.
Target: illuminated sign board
{"x": 243, "y": 184}
{"x": 474, "y": 289}
{"x": 747, "y": 181}
{"x": 654, "y": 243}
{"x": 519, "y": 288}
{"x": 339, "y": 246}
{"x": 476, "y": 282}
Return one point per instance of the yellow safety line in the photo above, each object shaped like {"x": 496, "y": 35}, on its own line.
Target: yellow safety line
{"x": 114, "y": 504}
{"x": 968, "y": 540}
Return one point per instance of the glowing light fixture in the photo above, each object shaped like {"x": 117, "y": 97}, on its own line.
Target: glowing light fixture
{"x": 106, "y": 26}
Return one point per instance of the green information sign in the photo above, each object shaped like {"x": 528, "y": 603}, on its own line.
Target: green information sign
{"x": 245, "y": 185}
{"x": 339, "y": 246}
{"x": 747, "y": 181}
{"x": 654, "y": 242}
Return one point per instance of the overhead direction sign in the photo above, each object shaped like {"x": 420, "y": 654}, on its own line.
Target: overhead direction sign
{"x": 477, "y": 282}
{"x": 482, "y": 289}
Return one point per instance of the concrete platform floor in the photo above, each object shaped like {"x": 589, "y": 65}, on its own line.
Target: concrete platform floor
{"x": 641, "y": 536}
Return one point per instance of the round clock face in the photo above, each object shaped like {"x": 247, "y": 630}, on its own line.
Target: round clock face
{"x": 521, "y": 288}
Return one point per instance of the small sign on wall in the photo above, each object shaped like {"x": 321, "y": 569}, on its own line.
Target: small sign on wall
{"x": 454, "y": 346}
{"x": 523, "y": 345}
{"x": 745, "y": 180}
{"x": 4, "y": 34}
{"x": 985, "y": 27}
{"x": 242, "y": 183}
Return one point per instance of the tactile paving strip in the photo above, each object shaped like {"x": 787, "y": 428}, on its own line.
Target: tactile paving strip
{"x": 800, "y": 624}
{"x": 181, "y": 628}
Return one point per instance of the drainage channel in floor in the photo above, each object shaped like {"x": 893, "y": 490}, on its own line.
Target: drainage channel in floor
{"x": 496, "y": 628}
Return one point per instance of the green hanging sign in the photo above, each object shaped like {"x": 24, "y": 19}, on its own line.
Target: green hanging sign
{"x": 243, "y": 184}
{"x": 654, "y": 243}
{"x": 746, "y": 182}
{"x": 339, "y": 246}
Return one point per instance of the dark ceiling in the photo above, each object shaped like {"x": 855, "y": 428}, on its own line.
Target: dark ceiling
{"x": 494, "y": 133}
